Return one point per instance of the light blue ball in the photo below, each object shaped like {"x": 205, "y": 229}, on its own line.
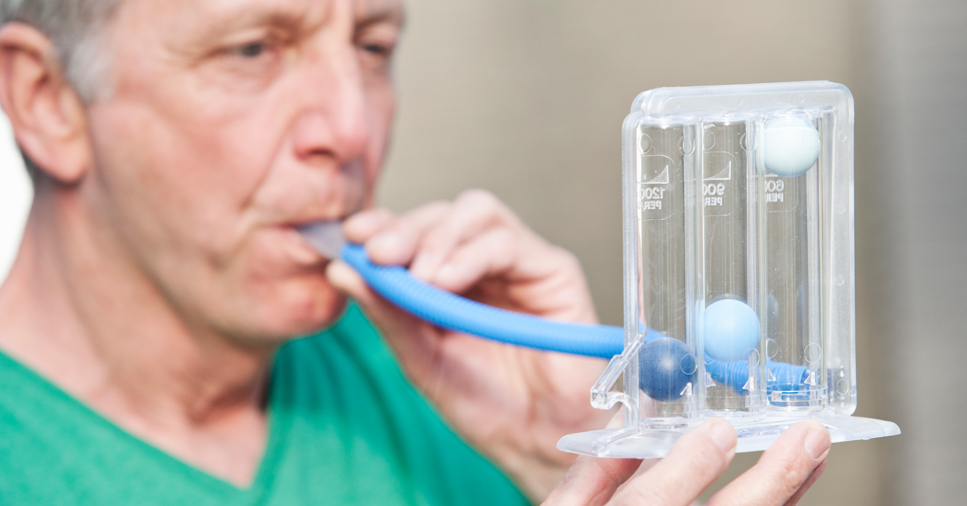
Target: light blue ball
{"x": 790, "y": 146}
{"x": 731, "y": 330}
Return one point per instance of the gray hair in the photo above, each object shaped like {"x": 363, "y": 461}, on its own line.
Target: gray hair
{"x": 77, "y": 29}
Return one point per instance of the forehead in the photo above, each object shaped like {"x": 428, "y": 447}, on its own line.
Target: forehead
{"x": 227, "y": 14}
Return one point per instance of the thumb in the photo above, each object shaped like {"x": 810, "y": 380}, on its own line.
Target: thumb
{"x": 412, "y": 340}
{"x": 384, "y": 314}
{"x": 345, "y": 279}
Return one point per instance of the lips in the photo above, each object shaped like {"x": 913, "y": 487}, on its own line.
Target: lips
{"x": 286, "y": 239}
{"x": 325, "y": 237}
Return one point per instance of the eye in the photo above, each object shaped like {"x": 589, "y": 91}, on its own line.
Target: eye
{"x": 377, "y": 49}
{"x": 376, "y": 56}
{"x": 251, "y": 50}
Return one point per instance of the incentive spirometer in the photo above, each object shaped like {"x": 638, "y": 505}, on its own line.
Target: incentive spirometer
{"x": 739, "y": 298}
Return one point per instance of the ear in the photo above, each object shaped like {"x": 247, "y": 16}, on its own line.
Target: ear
{"x": 46, "y": 113}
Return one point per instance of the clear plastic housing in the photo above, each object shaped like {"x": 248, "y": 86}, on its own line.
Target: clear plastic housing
{"x": 663, "y": 155}
{"x": 730, "y": 241}
{"x": 739, "y": 298}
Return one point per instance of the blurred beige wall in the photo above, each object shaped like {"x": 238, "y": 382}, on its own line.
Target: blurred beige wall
{"x": 526, "y": 98}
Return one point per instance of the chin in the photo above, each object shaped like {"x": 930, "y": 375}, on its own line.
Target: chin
{"x": 282, "y": 296}
{"x": 293, "y": 310}
{"x": 296, "y": 316}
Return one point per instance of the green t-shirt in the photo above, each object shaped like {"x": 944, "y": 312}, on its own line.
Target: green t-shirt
{"x": 345, "y": 427}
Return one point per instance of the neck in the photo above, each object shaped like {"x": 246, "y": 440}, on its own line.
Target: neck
{"x": 92, "y": 324}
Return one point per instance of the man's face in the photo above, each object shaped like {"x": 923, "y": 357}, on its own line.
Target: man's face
{"x": 230, "y": 123}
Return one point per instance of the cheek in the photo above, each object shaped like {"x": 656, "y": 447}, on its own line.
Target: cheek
{"x": 178, "y": 199}
{"x": 187, "y": 178}
{"x": 383, "y": 99}
{"x": 173, "y": 155}
{"x": 179, "y": 173}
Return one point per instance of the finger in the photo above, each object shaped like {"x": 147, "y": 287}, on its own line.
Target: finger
{"x": 472, "y": 213}
{"x": 397, "y": 243}
{"x": 794, "y": 500}
{"x": 782, "y": 471}
{"x": 696, "y": 460}
{"x": 591, "y": 481}
{"x": 541, "y": 280}
{"x": 359, "y": 227}
{"x": 485, "y": 255}
{"x": 345, "y": 279}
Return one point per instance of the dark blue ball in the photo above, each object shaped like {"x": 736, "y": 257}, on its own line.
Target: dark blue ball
{"x": 666, "y": 367}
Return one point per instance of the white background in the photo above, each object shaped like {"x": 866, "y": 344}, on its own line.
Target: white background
{"x": 15, "y": 196}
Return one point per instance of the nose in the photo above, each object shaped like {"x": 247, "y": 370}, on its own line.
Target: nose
{"x": 336, "y": 122}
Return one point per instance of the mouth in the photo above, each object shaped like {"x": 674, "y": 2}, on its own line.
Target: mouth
{"x": 310, "y": 244}
{"x": 324, "y": 236}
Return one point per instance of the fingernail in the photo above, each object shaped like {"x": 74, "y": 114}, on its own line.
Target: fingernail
{"x": 385, "y": 243}
{"x": 446, "y": 275}
{"x": 817, "y": 442}
{"x": 424, "y": 264}
{"x": 724, "y": 435}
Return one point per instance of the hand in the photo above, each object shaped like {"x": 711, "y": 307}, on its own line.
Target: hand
{"x": 781, "y": 477}
{"x": 511, "y": 403}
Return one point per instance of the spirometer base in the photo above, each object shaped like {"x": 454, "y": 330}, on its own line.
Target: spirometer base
{"x": 656, "y": 443}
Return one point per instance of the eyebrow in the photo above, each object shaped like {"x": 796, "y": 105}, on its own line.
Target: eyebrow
{"x": 385, "y": 11}
{"x": 248, "y": 15}
{"x": 251, "y": 14}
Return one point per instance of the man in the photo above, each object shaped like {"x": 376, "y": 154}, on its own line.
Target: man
{"x": 174, "y": 146}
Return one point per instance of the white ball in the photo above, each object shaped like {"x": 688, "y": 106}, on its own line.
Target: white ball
{"x": 790, "y": 146}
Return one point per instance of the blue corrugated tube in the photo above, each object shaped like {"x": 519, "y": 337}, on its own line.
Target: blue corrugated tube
{"x": 454, "y": 312}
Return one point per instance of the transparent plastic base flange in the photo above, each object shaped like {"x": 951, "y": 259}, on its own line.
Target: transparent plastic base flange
{"x": 621, "y": 443}
{"x": 738, "y": 262}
